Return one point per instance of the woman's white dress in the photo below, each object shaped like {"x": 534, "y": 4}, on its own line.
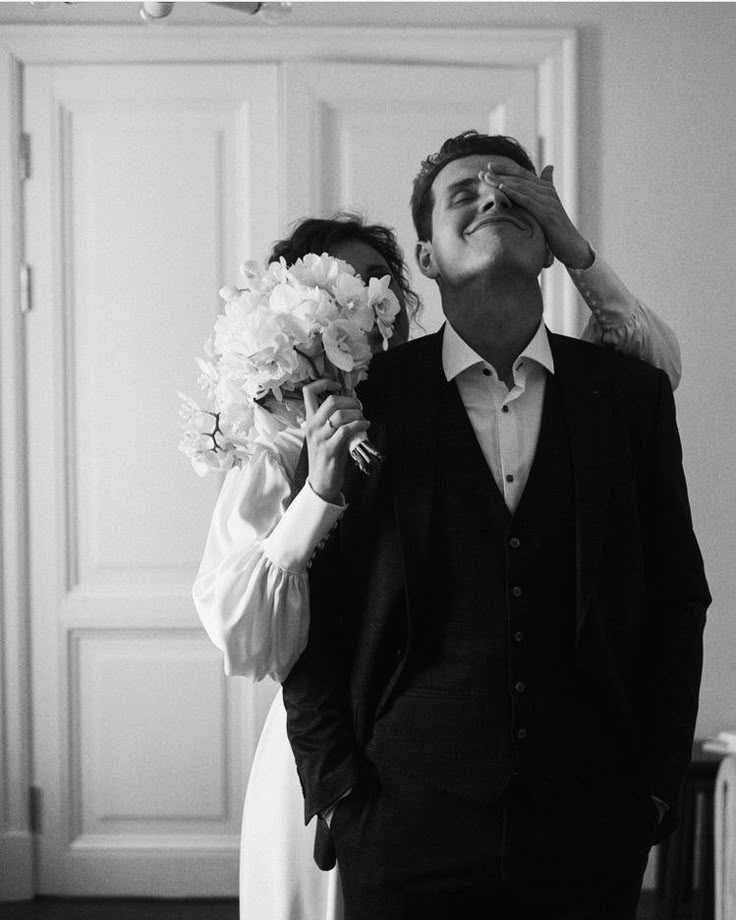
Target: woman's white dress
{"x": 252, "y": 595}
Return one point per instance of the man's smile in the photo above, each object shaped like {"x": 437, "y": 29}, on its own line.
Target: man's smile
{"x": 498, "y": 219}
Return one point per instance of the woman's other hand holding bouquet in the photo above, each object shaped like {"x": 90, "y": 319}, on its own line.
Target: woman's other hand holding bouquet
{"x": 330, "y": 428}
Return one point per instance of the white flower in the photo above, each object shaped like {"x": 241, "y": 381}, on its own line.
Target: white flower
{"x": 204, "y": 440}
{"x": 285, "y": 297}
{"x": 323, "y": 309}
{"x": 194, "y": 419}
{"x": 276, "y": 273}
{"x": 209, "y": 377}
{"x": 237, "y": 420}
{"x": 385, "y": 306}
{"x": 351, "y": 293}
{"x": 229, "y": 292}
{"x": 346, "y": 345}
{"x": 319, "y": 271}
{"x": 257, "y": 354}
{"x": 312, "y": 308}
{"x": 254, "y": 276}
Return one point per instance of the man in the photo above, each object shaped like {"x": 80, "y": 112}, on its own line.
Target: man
{"x": 496, "y": 705}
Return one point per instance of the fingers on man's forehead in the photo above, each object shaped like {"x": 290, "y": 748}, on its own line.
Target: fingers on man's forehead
{"x": 506, "y": 167}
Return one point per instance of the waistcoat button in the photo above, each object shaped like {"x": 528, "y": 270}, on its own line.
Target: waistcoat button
{"x": 520, "y": 686}
{"x": 514, "y": 543}
{"x": 518, "y": 636}
{"x": 516, "y": 591}
{"x": 521, "y": 734}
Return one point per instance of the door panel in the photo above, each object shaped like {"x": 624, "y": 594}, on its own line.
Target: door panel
{"x": 147, "y": 193}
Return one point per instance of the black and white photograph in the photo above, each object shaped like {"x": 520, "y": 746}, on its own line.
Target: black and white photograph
{"x": 366, "y": 440}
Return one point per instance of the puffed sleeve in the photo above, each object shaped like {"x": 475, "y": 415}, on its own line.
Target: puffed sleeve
{"x": 621, "y": 321}
{"x": 252, "y": 589}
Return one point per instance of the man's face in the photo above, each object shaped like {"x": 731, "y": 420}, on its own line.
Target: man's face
{"x": 476, "y": 229}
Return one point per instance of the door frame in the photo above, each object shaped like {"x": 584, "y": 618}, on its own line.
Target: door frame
{"x": 551, "y": 52}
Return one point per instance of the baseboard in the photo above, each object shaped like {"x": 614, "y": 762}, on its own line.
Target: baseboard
{"x": 16, "y": 866}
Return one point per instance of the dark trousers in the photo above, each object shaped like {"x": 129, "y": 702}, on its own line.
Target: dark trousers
{"x": 407, "y": 851}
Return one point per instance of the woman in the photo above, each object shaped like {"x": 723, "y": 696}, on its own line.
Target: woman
{"x": 252, "y": 591}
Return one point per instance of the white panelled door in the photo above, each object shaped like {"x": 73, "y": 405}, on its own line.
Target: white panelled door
{"x": 149, "y": 186}
{"x": 357, "y": 134}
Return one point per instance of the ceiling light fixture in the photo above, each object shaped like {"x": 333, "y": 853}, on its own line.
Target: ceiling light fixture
{"x": 156, "y": 13}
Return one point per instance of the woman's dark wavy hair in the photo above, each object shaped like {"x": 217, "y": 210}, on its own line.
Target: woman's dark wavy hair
{"x": 316, "y": 234}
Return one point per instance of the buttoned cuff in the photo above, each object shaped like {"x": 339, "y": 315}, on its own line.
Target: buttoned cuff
{"x": 610, "y": 301}
{"x": 305, "y": 526}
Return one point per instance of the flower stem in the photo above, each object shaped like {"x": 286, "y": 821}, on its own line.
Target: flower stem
{"x": 309, "y": 361}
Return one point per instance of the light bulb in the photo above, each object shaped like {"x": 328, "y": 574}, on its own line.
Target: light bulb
{"x": 274, "y": 13}
{"x": 155, "y": 13}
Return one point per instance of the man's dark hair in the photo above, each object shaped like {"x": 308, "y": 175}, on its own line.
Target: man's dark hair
{"x": 315, "y": 234}
{"x": 466, "y": 144}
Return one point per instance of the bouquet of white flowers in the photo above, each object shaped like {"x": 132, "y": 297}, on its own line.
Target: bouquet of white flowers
{"x": 284, "y": 328}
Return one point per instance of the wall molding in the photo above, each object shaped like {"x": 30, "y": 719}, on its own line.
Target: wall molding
{"x": 86, "y": 44}
{"x": 16, "y": 841}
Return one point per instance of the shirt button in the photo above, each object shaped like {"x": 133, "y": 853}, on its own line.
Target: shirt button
{"x": 518, "y": 636}
{"x": 514, "y": 543}
{"x": 516, "y": 591}
{"x": 510, "y": 477}
{"x": 520, "y": 686}
{"x": 521, "y": 734}
{"x": 486, "y": 372}
{"x": 504, "y": 408}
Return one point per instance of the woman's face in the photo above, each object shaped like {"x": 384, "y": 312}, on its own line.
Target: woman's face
{"x": 369, "y": 263}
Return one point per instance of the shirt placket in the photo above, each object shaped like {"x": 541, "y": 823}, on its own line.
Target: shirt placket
{"x": 509, "y": 441}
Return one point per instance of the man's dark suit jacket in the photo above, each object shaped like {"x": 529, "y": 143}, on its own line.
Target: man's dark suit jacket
{"x": 641, "y": 593}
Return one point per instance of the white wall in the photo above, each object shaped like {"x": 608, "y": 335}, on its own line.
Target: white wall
{"x": 658, "y": 131}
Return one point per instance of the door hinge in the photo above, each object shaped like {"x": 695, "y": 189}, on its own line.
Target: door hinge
{"x": 24, "y": 156}
{"x": 540, "y": 153}
{"x": 26, "y": 288}
{"x": 35, "y": 805}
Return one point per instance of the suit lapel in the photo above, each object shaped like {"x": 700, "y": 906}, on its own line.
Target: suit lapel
{"x": 414, "y": 389}
{"x": 587, "y": 407}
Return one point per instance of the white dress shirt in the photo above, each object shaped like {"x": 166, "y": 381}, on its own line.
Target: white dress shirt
{"x": 252, "y": 588}
{"x": 505, "y": 421}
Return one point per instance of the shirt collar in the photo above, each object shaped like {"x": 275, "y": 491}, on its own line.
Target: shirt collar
{"x": 458, "y": 356}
